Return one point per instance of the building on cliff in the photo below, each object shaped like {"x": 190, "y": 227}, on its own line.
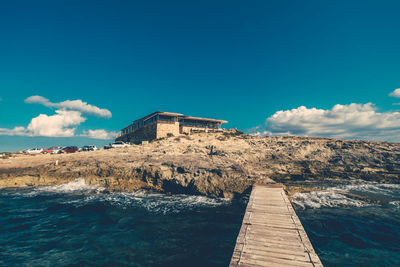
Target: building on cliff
{"x": 162, "y": 124}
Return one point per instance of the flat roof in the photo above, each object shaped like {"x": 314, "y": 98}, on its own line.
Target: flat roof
{"x": 159, "y": 113}
{"x": 203, "y": 119}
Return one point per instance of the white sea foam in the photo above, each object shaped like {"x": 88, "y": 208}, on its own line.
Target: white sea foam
{"x": 326, "y": 198}
{"x": 395, "y": 203}
{"x": 78, "y": 185}
{"x": 89, "y": 194}
{"x": 159, "y": 203}
{"x": 154, "y": 202}
{"x": 340, "y": 196}
{"x": 372, "y": 187}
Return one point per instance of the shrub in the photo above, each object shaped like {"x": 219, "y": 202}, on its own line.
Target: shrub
{"x": 221, "y": 138}
{"x": 187, "y": 137}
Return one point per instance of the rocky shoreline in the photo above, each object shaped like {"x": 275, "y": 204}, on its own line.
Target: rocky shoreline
{"x": 217, "y": 165}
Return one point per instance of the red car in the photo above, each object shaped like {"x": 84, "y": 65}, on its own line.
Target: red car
{"x": 46, "y": 151}
{"x": 69, "y": 149}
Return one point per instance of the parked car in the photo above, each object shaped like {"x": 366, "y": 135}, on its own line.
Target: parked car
{"x": 119, "y": 144}
{"x": 89, "y": 148}
{"x": 69, "y": 149}
{"x": 107, "y": 146}
{"x": 50, "y": 149}
{"x": 93, "y": 148}
{"x": 32, "y": 151}
{"x": 56, "y": 151}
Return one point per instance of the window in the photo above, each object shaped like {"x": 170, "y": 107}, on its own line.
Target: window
{"x": 149, "y": 120}
{"x": 199, "y": 124}
{"x": 166, "y": 118}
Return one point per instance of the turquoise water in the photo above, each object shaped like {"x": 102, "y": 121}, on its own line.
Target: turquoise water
{"x": 77, "y": 225}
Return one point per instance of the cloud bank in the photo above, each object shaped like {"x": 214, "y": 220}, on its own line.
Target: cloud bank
{"x": 353, "y": 121}
{"x": 64, "y": 123}
{"x": 16, "y": 131}
{"x": 77, "y": 105}
{"x": 100, "y": 134}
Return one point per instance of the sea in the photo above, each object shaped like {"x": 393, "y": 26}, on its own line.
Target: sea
{"x": 354, "y": 224}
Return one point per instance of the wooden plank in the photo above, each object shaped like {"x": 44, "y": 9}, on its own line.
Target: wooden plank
{"x": 271, "y": 233}
{"x": 269, "y": 262}
{"x": 292, "y": 246}
{"x": 266, "y": 255}
{"x": 299, "y": 251}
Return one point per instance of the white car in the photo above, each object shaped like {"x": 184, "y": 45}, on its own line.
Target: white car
{"x": 33, "y": 151}
{"x": 92, "y": 148}
{"x": 56, "y": 151}
{"x": 119, "y": 144}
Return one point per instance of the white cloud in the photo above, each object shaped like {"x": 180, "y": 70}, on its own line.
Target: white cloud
{"x": 395, "y": 93}
{"x": 100, "y": 134}
{"x": 77, "y": 105}
{"x": 37, "y": 99}
{"x": 360, "y": 121}
{"x": 19, "y": 131}
{"x": 62, "y": 124}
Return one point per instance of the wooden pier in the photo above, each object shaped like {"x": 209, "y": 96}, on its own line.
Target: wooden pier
{"x": 271, "y": 233}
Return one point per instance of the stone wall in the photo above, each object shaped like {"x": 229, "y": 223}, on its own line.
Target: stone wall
{"x": 165, "y": 128}
{"x": 146, "y": 133}
{"x": 151, "y": 131}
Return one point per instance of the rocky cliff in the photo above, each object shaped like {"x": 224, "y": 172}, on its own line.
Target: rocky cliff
{"x": 212, "y": 164}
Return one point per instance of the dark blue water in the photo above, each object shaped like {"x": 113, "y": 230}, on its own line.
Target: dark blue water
{"x": 76, "y": 225}
{"x": 353, "y": 225}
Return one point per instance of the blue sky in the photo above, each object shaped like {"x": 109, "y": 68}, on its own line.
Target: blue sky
{"x": 242, "y": 61}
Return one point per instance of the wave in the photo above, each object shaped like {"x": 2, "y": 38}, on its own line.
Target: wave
{"x": 78, "y": 185}
{"x": 373, "y": 187}
{"x": 157, "y": 202}
{"x": 356, "y": 194}
{"x": 327, "y": 198}
{"x": 78, "y": 194}
{"x": 395, "y": 204}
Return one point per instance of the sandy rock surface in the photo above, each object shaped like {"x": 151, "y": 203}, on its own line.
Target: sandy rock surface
{"x": 212, "y": 164}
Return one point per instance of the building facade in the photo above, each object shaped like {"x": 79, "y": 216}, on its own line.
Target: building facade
{"x": 162, "y": 124}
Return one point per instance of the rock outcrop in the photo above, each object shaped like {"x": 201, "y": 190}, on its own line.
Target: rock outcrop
{"x": 221, "y": 165}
